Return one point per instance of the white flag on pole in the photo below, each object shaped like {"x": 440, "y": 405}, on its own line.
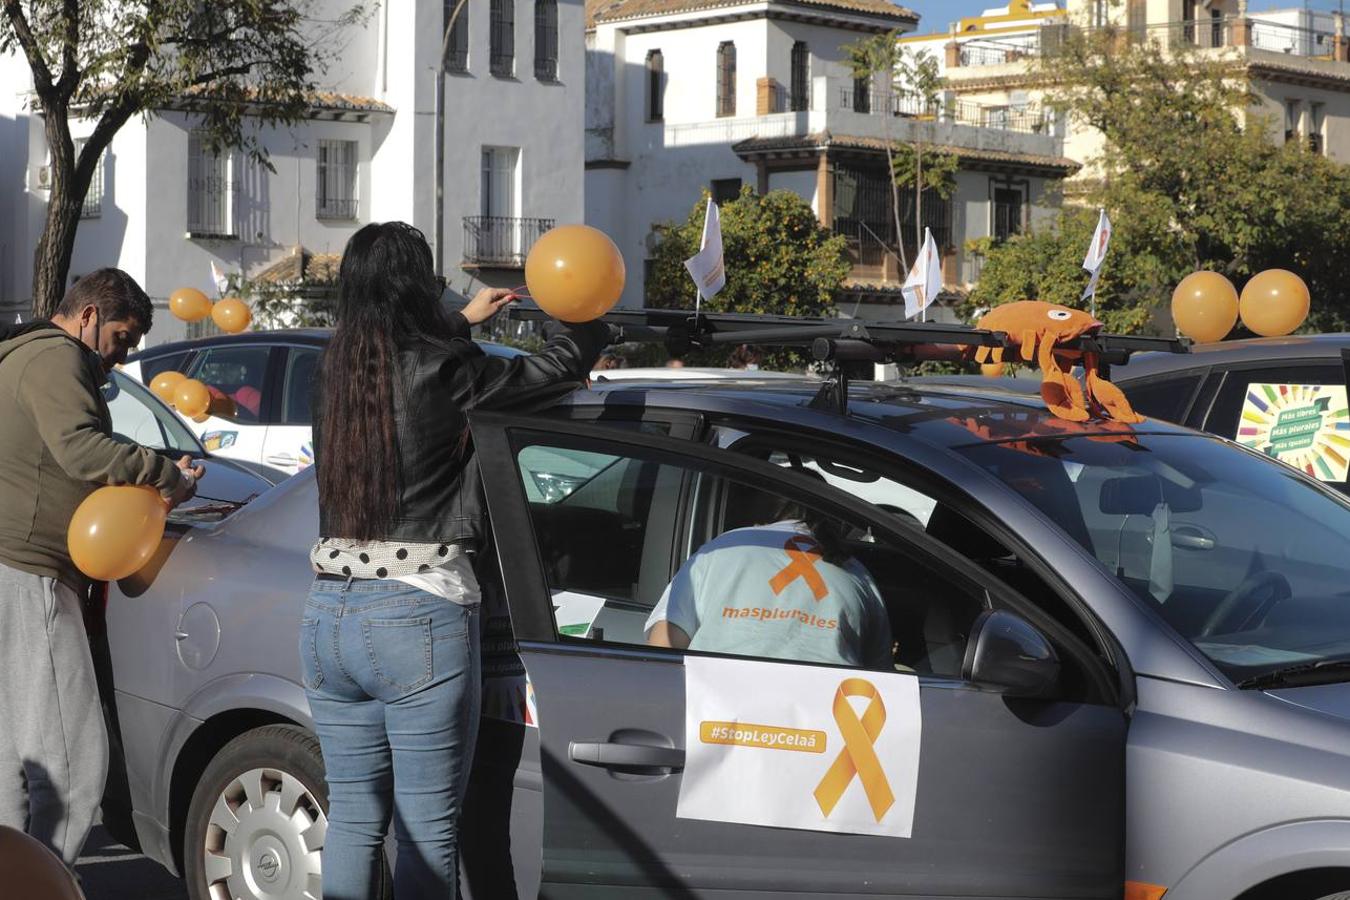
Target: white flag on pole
{"x": 924, "y": 281}
{"x": 1096, "y": 255}
{"x": 706, "y": 266}
{"x": 218, "y": 278}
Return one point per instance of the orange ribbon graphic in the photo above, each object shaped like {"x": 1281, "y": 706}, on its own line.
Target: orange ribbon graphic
{"x": 804, "y": 553}
{"x": 857, "y": 756}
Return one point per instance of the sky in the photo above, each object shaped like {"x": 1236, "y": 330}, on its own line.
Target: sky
{"x": 936, "y": 15}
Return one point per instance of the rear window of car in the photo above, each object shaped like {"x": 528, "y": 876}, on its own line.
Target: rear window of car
{"x": 1163, "y": 398}
{"x": 169, "y": 362}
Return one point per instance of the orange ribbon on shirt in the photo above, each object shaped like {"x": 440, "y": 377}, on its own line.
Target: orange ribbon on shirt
{"x": 857, "y": 757}
{"x": 804, "y": 553}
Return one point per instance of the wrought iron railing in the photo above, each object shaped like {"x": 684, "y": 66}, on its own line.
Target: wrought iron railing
{"x": 1025, "y": 118}
{"x": 1201, "y": 33}
{"x": 1279, "y": 38}
{"x": 501, "y": 240}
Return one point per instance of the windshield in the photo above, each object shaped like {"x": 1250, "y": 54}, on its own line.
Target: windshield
{"x": 1242, "y": 555}
{"x": 137, "y": 415}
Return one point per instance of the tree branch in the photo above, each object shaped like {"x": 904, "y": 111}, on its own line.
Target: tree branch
{"x": 70, "y": 43}
{"x": 42, "y": 73}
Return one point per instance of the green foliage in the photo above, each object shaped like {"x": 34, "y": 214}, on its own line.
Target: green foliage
{"x": 779, "y": 260}
{"x": 1047, "y": 265}
{"x": 284, "y": 306}
{"x": 1188, "y": 185}
{"x": 234, "y": 66}
{"x": 939, "y": 168}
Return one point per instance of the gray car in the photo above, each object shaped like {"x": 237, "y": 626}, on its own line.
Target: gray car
{"x": 1131, "y": 646}
{"x": 1222, "y": 388}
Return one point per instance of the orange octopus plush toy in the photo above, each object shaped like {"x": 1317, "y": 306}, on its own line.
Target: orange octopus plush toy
{"x": 1036, "y": 328}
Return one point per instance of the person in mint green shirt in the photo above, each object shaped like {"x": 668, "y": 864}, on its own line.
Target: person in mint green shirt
{"x": 775, "y": 591}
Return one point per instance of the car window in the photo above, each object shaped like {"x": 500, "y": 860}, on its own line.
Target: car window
{"x": 301, "y": 363}
{"x": 170, "y": 362}
{"x": 864, "y": 481}
{"x": 237, "y": 372}
{"x": 1163, "y": 398}
{"x": 880, "y": 484}
{"x": 1241, "y": 555}
{"x": 139, "y": 417}
{"x": 1297, "y": 414}
{"x": 630, "y": 542}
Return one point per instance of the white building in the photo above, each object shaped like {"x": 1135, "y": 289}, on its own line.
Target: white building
{"x": 163, "y": 207}
{"x": 687, "y": 95}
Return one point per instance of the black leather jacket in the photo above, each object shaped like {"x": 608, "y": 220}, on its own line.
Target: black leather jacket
{"x": 440, "y": 497}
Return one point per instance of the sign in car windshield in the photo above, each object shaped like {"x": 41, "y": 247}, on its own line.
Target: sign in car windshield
{"x": 1304, "y": 425}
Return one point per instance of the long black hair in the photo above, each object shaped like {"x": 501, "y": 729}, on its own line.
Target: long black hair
{"x": 387, "y": 293}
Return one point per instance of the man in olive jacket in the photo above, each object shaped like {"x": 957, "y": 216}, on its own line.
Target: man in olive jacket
{"x": 56, "y": 446}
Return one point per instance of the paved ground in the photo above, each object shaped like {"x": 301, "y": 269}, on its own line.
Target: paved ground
{"x": 113, "y": 872}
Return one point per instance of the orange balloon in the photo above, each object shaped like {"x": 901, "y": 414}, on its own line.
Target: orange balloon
{"x": 1205, "y": 306}
{"x": 116, "y": 530}
{"x": 189, "y": 304}
{"x": 231, "y": 314}
{"x": 575, "y": 273}
{"x": 1274, "y": 302}
{"x": 191, "y": 398}
{"x": 164, "y": 384}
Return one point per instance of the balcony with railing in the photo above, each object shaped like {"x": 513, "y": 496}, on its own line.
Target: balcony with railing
{"x": 1024, "y": 118}
{"x": 841, "y": 107}
{"x": 1209, "y": 33}
{"x": 501, "y": 242}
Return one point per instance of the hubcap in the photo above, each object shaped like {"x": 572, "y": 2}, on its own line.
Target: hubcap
{"x": 264, "y": 839}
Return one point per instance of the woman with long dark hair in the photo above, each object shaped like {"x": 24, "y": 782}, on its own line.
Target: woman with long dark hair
{"x": 389, "y": 639}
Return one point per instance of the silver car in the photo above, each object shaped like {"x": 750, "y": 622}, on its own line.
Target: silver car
{"x": 1132, "y": 646}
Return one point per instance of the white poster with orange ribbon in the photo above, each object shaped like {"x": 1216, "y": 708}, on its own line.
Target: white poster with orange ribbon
{"x": 800, "y": 746}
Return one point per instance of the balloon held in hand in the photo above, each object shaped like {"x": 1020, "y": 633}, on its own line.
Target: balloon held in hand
{"x": 116, "y": 530}
{"x": 575, "y": 273}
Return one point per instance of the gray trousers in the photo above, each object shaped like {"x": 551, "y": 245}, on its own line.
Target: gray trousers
{"x": 53, "y": 744}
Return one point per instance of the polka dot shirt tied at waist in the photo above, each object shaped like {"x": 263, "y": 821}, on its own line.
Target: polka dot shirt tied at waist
{"x": 445, "y": 570}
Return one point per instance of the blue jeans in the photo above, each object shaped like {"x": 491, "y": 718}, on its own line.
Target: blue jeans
{"x": 392, "y": 676}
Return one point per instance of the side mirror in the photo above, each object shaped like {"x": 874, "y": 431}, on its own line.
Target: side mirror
{"x": 1007, "y": 651}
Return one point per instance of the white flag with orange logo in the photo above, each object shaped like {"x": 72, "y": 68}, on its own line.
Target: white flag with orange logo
{"x": 924, "y": 282}
{"x": 1096, "y": 255}
{"x": 706, "y": 266}
{"x": 806, "y": 747}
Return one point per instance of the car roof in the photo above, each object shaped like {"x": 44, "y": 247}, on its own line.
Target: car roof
{"x": 1227, "y": 353}
{"x": 313, "y": 337}
{"x": 947, "y": 415}
{"x": 316, "y": 337}
{"x": 690, "y": 373}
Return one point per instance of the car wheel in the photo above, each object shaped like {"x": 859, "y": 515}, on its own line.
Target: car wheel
{"x": 257, "y": 820}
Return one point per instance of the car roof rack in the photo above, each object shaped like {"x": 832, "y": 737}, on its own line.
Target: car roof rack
{"x": 834, "y": 341}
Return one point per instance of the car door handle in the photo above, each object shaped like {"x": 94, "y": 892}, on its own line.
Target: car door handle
{"x": 632, "y": 757}
{"x": 1192, "y": 537}
{"x": 281, "y": 459}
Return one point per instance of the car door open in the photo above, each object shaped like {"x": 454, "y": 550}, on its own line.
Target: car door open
{"x": 1014, "y": 796}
